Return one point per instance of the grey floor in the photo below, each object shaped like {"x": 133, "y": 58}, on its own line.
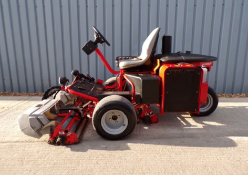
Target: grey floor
{"x": 178, "y": 144}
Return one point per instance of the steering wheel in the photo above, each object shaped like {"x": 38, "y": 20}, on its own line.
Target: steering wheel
{"x": 100, "y": 35}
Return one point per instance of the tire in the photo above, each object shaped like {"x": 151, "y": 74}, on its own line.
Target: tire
{"x": 49, "y": 92}
{"x": 114, "y": 117}
{"x": 212, "y": 103}
{"x": 110, "y": 81}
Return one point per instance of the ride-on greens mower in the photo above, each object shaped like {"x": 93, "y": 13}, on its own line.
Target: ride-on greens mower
{"x": 175, "y": 82}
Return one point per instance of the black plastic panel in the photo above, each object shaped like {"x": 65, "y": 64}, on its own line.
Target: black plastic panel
{"x": 89, "y": 47}
{"x": 184, "y": 57}
{"x": 182, "y": 89}
{"x": 146, "y": 87}
{"x": 86, "y": 87}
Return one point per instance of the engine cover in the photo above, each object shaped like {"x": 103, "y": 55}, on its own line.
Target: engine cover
{"x": 180, "y": 88}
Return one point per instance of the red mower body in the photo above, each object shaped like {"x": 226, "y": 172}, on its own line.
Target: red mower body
{"x": 175, "y": 82}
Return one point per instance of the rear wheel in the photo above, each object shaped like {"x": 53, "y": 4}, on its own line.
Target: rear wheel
{"x": 212, "y": 103}
{"x": 114, "y": 117}
{"x": 110, "y": 81}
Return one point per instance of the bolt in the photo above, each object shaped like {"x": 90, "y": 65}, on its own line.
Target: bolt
{"x": 119, "y": 116}
{"x": 110, "y": 119}
{"x": 116, "y": 121}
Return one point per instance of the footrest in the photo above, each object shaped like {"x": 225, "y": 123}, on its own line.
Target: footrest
{"x": 87, "y": 88}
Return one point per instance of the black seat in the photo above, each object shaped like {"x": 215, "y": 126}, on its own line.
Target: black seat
{"x": 184, "y": 57}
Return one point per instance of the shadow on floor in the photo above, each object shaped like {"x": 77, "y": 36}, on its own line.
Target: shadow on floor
{"x": 177, "y": 129}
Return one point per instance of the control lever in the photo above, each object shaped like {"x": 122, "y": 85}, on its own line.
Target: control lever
{"x": 90, "y": 78}
{"x": 75, "y": 73}
{"x": 79, "y": 75}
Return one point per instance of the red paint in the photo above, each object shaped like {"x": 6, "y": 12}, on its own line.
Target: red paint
{"x": 58, "y": 127}
{"x": 110, "y": 87}
{"x": 147, "y": 112}
{"x": 99, "y": 53}
{"x": 91, "y": 109}
{"x": 71, "y": 123}
{"x": 99, "y": 81}
{"x": 154, "y": 118}
{"x": 82, "y": 95}
{"x": 71, "y": 137}
{"x": 162, "y": 70}
{"x": 62, "y": 115}
{"x": 204, "y": 93}
{"x": 208, "y": 64}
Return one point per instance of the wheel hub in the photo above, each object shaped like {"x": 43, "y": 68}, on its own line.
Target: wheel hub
{"x": 114, "y": 117}
{"x": 114, "y": 122}
{"x": 208, "y": 105}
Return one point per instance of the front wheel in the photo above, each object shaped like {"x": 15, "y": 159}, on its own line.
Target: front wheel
{"x": 49, "y": 92}
{"x": 212, "y": 103}
{"x": 114, "y": 117}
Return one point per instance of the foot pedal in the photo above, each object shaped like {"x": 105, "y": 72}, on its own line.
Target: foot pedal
{"x": 81, "y": 128}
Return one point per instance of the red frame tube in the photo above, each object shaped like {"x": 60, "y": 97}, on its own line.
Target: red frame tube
{"x": 99, "y": 53}
{"x": 82, "y": 95}
{"x": 120, "y": 83}
{"x": 156, "y": 68}
{"x": 133, "y": 87}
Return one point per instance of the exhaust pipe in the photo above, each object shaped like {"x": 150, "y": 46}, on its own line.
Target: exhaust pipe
{"x": 166, "y": 44}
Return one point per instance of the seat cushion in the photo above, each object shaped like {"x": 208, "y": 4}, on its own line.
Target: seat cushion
{"x": 148, "y": 50}
{"x": 130, "y": 63}
{"x": 184, "y": 57}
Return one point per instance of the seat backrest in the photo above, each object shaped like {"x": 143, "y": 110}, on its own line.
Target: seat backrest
{"x": 149, "y": 45}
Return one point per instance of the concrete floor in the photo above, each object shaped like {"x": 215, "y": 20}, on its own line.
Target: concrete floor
{"x": 178, "y": 144}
